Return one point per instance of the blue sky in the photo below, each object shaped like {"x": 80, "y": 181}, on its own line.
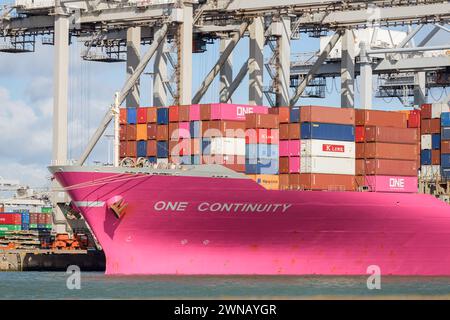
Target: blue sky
{"x": 26, "y": 101}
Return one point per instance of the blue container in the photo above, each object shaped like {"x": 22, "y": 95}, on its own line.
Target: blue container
{"x": 261, "y": 151}
{"x": 152, "y": 159}
{"x": 445, "y": 133}
{"x": 141, "y": 148}
{"x": 206, "y": 146}
{"x": 162, "y": 149}
{"x": 327, "y": 131}
{"x": 194, "y": 127}
{"x": 25, "y": 226}
{"x": 294, "y": 114}
{"x": 131, "y": 115}
{"x": 162, "y": 116}
{"x": 425, "y": 157}
{"x": 41, "y": 226}
{"x": 445, "y": 173}
{"x": 262, "y": 166}
{"x": 445, "y": 160}
{"x": 435, "y": 141}
{"x": 195, "y": 159}
{"x": 25, "y": 217}
{"x": 445, "y": 119}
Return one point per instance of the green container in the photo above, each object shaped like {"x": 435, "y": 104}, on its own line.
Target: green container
{"x": 33, "y": 226}
{"x": 10, "y": 227}
{"x": 48, "y": 226}
{"x": 46, "y": 210}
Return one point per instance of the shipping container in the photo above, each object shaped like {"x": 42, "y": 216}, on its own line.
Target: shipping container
{"x": 194, "y": 112}
{"x": 327, "y": 148}
{"x": 141, "y": 150}
{"x": 294, "y": 115}
{"x": 227, "y": 146}
{"x": 284, "y": 164}
{"x": 221, "y": 128}
{"x": 183, "y": 113}
{"x": 331, "y": 182}
{"x": 284, "y": 131}
{"x": 162, "y": 150}
{"x": 123, "y": 116}
{"x": 436, "y": 141}
{"x": 123, "y": 132}
{"x": 10, "y": 218}
{"x": 269, "y": 182}
{"x": 330, "y": 165}
{"x": 425, "y": 111}
{"x": 381, "y": 150}
{"x": 435, "y": 157}
{"x": 223, "y": 111}
{"x": 152, "y": 115}
{"x": 445, "y": 133}
{"x": 131, "y": 132}
{"x": 359, "y": 133}
{"x": 262, "y": 166}
{"x": 294, "y": 131}
{"x": 131, "y": 115}
{"x": 282, "y": 112}
{"x": 261, "y": 151}
{"x": 426, "y": 142}
{"x": 392, "y": 184}
{"x": 152, "y": 131}
{"x": 152, "y": 159}
{"x": 425, "y": 157}
{"x": 428, "y": 126}
{"x": 294, "y": 148}
{"x": 263, "y": 121}
{"x": 283, "y": 181}
{"x": 386, "y": 167}
{"x": 445, "y": 119}
{"x": 294, "y": 164}
{"x": 414, "y": 119}
{"x": 174, "y": 113}
{"x": 284, "y": 148}
{"x": 445, "y": 146}
{"x": 141, "y": 115}
{"x": 380, "y": 118}
{"x": 328, "y": 115}
{"x": 123, "y": 149}
{"x": 162, "y": 132}
{"x": 270, "y": 136}
{"x": 294, "y": 181}
{"x": 445, "y": 160}
{"x": 327, "y": 131}
{"x": 131, "y": 150}
{"x": 8, "y": 227}
{"x": 390, "y": 134}
{"x": 195, "y": 129}
{"x": 445, "y": 174}
{"x": 151, "y": 148}
{"x": 162, "y": 116}
{"x": 141, "y": 131}
{"x": 437, "y": 109}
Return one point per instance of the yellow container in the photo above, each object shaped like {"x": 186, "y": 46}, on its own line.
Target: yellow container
{"x": 141, "y": 131}
{"x": 268, "y": 181}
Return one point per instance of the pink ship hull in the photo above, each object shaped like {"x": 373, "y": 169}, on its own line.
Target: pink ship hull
{"x": 326, "y": 233}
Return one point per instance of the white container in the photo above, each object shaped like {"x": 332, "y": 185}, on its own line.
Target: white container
{"x": 438, "y": 108}
{"x": 425, "y": 142}
{"x": 228, "y": 146}
{"x": 327, "y": 148}
{"x": 430, "y": 173}
{"x": 162, "y": 160}
{"x": 330, "y": 165}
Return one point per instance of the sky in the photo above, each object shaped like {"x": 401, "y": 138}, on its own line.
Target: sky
{"x": 26, "y": 107}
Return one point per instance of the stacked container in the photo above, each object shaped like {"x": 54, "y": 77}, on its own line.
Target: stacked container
{"x": 445, "y": 146}
{"x": 262, "y": 152}
{"x": 10, "y": 221}
{"x": 386, "y": 152}
{"x": 430, "y": 154}
{"x": 327, "y": 148}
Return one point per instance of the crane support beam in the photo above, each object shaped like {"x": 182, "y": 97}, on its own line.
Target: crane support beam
{"x": 133, "y": 56}
{"x": 348, "y": 70}
{"x": 237, "y": 81}
{"x": 256, "y": 62}
{"x": 315, "y": 67}
{"x": 223, "y": 58}
{"x": 129, "y": 84}
{"x": 226, "y": 73}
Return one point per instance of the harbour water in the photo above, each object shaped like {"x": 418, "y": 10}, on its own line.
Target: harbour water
{"x": 95, "y": 285}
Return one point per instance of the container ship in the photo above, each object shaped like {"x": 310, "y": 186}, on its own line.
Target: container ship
{"x": 240, "y": 190}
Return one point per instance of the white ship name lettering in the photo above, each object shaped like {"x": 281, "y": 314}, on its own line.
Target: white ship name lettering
{"x": 222, "y": 207}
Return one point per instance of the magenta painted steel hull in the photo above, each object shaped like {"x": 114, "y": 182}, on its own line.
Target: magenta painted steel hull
{"x": 327, "y": 233}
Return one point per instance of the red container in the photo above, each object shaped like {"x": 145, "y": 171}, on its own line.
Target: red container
{"x": 131, "y": 132}
{"x": 123, "y": 116}
{"x": 338, "y": 182}
{"x": 284, "y": 131}
{"x": 359, "y": 133}
{"x": 151, "y": 148}
{"x": 414, "y": 119}
{"x": 380, "y": 150}
{"x": 380, "y": 118}
{"x": 386, "y": 167}
{"x": 327, "y": 115}
{"x": 282, "y": 112}
{"x": 428, "y": 126}
{"x": 425, "y": 112}
{"x": 174, "y": 113}
{"x": 141, "y": 115}
{"x": 283, "y": 164}
{"x": 151, "y": 115}
{"x": 445, "y": 146}
{"x": 10, "y": 218}
{"x": 391, "y": 134}
{"x": 162, "y": 132}
{"x": 267, "y": 121}
{"x": 294, "y": 131}
{"x": 131, "y": 149}
{"x": 151, "y": 131}
{"x": 33, "y": 218}
{"x": 268, "y": 136}
{"x": 294, "y": 181}
{"x": 173, "y": 131}
{"x": 123, "y": 132}
{"x": 183, "y": 113}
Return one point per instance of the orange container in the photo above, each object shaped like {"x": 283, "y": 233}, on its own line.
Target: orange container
{"x": 435, "y": 157}
{"x": 265, "y": 121}
{"x": 294, "y": 181}
{"x": 162, "y": 132}
{"x": 380, "y": 118}
{"x": 425, "y": 112}
{"x": 282, "y": 112}
{"x": 151, "y": 148}
{"x": 294, "y": 131}
{"x": 428, "y": 126}
{"x": 445, "y": 146}
{"x": 381, "y": 150}
{"x": 173, "y": 131}
{"x": 123, "y": 116}
{"x": 386, "y": 167}
{"x": 283, "y": 165}
{"x": 131, "y": 149}
{"x": 339, "y": 182}
{"x": 151, "y": 115}
{"x": 183, "y": 113}
{"x": 141, "y": 131}
{"x": 391, "y": 134}
{"x": 151, "y": 131}
{"x": 327, "y": 115}
{"x": 284, "y": 131}
{"x": 123, "y": 132}
{"x": 131, "y": 132}
{"x": 284, "y": 181}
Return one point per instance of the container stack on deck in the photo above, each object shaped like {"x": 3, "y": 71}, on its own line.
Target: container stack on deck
{"x": 262, "y": 149}
{"x": 445, "y": 145}
{"x": 430, "y": 155}
{"x": 17, "y": 220}
{"x": 386, "y": 151}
